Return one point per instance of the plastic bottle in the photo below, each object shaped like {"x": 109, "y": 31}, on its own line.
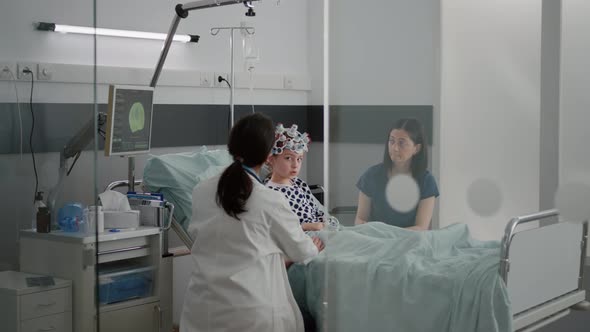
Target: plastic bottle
{"x": 91, "y": 223}
{"x": 36, "y": 205}
{"x": 70, "y": 217}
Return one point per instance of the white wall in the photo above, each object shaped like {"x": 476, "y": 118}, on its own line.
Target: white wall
{"x": 574, "y": 159}
{"x": 281, "y": 35}
{"x": 381, "y": 52}
{"x": 273, "y": 24}
{"x": 490, "y": 104}
{"x": 315, "y": 54}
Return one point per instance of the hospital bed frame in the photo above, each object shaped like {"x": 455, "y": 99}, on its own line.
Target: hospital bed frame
{"x": 543, "y": 269}
{"x": 522, "y": 263}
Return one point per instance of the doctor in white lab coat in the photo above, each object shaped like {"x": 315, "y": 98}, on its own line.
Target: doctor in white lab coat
{"x": 243, "y": 234}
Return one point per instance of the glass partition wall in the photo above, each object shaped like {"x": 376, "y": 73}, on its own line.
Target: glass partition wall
{"x": 432, "y": 123}
{"x": 49, "y": 146}
{"x": 380, "y": 153}
{"x": 236, "y": 64}
{"x": 446, "y": 119}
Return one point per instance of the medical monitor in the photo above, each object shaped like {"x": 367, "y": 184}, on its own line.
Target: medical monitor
{"x": 129, "y": 120}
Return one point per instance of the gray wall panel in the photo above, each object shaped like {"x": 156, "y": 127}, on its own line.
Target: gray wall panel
{"x": 189, "y": 125}
{"x": 366, "y": 124}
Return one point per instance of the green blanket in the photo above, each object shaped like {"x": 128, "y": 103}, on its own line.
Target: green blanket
{"x": 175, "y": 175}
{"x": 376, "y": 277}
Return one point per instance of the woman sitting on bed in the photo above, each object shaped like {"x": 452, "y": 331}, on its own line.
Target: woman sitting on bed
{"x": 405, "y": 153}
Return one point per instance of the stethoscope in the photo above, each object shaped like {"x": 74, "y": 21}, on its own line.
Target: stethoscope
{"x": 250, "y": 171}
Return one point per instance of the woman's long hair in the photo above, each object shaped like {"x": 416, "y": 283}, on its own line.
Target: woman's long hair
{"x": 416, "y": 132}
{"x": 250, "y": 141}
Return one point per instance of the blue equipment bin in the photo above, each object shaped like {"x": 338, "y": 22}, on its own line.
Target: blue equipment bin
{"x": 125, "y": 285}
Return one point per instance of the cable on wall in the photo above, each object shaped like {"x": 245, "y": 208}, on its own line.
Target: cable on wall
{"x": 222, "y": 79}
{"x": 29, "y": 72}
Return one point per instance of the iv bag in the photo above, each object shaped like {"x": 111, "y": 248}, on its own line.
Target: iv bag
{"x": 249, "y": 48}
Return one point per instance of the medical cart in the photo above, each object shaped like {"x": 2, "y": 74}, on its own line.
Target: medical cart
{"x": 134, "y": 288}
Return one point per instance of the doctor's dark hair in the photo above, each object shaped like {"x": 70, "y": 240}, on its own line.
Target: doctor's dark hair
{"x": 416, "y": 132}
{"x": 250, "y": 141}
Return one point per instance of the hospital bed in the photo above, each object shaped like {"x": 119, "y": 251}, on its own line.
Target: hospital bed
{"x": 542, "y": 266}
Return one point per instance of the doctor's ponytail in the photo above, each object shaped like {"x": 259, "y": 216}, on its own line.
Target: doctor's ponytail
{"x": 250, "y": 141}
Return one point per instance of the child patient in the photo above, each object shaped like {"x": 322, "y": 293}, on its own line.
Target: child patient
{"x": 285, "y": 163}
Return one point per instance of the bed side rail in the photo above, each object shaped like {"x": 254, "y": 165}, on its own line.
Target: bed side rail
{"x": 182, "y": 234}
{"x": 510, "y": 231}
{"x": 122, "y": 183}
{"x": 538, "y": 254}
{"x": 509, "y": 235}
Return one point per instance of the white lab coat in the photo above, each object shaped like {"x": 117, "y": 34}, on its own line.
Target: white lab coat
{"x": 240, "y": 282}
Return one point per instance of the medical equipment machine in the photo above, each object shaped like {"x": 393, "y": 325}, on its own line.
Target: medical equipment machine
{"x": 129, "y": 120}
{"x": 128, "y": 132}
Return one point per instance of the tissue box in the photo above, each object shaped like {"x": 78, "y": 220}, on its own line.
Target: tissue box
{"x": 121, "y": 219}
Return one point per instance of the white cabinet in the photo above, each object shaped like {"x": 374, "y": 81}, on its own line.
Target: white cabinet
{"x": 144, "y": 317}
{"x": 26, "y": 308}
{"x": 132, "y": 276}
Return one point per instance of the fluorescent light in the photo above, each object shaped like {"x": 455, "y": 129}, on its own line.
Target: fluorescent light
{"x": 43, "y": 26}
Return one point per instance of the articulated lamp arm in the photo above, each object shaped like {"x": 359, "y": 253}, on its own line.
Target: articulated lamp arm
{"x": 82, "y": 138}
{"x": 75, "y": 146}
{"x": 182, "y": 12}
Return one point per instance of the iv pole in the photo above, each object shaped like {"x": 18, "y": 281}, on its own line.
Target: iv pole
{"x": 214, "y": 32}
